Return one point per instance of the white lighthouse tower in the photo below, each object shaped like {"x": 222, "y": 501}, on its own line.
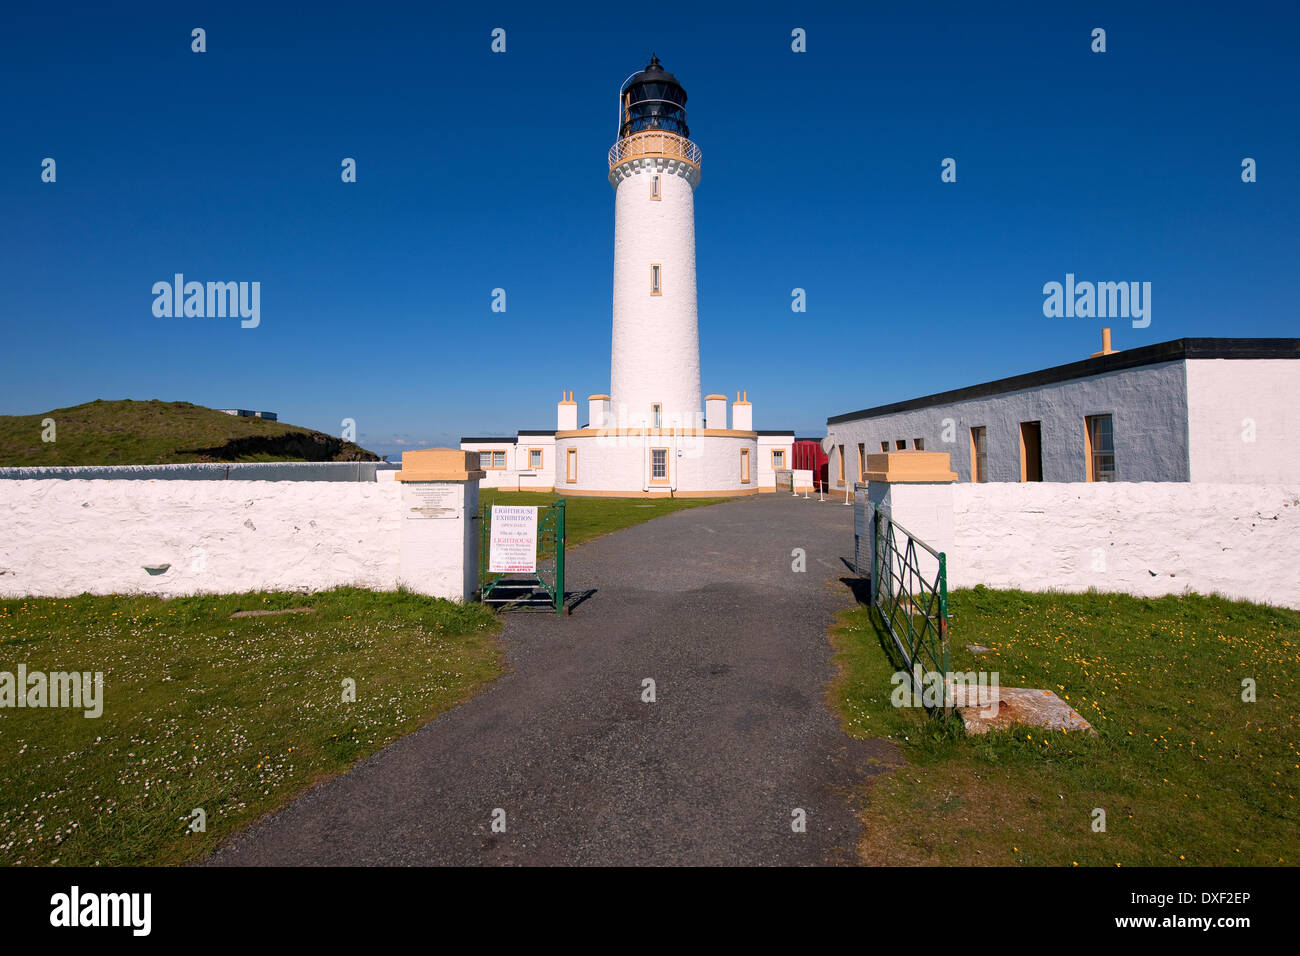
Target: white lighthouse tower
{"x": 654, "y": 169}
{"x": 648, "y": 437}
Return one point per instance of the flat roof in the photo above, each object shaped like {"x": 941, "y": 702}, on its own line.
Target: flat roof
{"x": 777, "y": 432}
{"x": 1173, "y": 351}
{"x": 486, "y": 441}
{"x": 537, "y": 431}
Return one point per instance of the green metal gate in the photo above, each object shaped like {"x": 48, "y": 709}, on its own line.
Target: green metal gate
{"x": 912, "y": 604}
{"x": 543, "y": 589}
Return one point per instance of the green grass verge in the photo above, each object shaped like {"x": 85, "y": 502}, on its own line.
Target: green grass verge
{"x": 234, "y": 716}
{"x": 587, "y": 518}
{"x": 1185, "y": 770}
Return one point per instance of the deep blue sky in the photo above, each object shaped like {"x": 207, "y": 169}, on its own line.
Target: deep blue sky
{"x": 479, "y": 170}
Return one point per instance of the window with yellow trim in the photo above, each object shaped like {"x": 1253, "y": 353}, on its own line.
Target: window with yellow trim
{"x": 656, "y": 279}
{"x": 659, "y": 466}
{"x": 744, "y": 466}
{"x": 571, "y": 464}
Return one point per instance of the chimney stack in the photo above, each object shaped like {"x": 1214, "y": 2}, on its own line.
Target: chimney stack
{"x": 1105, "y": 345}
{"x": 742, "y": 413}
{"x": 566, "y": 412}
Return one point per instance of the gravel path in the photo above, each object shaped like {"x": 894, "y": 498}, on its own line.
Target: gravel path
{"x": 705, "y": 603}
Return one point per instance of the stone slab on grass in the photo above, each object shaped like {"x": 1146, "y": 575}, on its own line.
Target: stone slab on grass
{"x": 1019, "y": 705}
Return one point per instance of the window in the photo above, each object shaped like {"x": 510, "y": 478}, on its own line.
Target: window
{"x": 918, "y": 444}
{"x": 979, "y": 462}
{"x": 778, "y": 459}
{"x": 491, "y": 459}
{"x": 485, "y": 459}
{"x": 900, "y": 444}
{"x": 744, "y": 466}
{"x": 656, "y": 415}
{"x": 535, "y": 458}
{"x": 498, "y": 459}
{"x": 862, "y": 461}
{"x": 654, "y": 188}
{"x": 841, "y": 464}
{"x": 884, "y": 446}
{"x": 1031, "y": 451}
{"x": 1100, "y": 437}
{"x": 655, "y": 288}
{"x": 570, "y": 464}
{"x": 659, "y": 466}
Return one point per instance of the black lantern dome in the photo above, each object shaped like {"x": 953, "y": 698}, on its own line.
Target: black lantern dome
{"x": 653, "y": 99}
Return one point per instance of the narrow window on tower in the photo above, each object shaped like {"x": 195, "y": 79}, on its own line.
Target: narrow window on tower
{"x": 654, "y": 188}
{"x": 656, "y": 415}
{"x": 655, "y": 284}
{"x": 744, "y": 466}
{"x": 571, "y": 465}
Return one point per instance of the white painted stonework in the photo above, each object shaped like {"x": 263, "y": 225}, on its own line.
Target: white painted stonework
{"x": 438, "y": 558}
{"x": 1243, "y": 420}
{"x": 698, "y": 464}
{"x": 63, "y": 538}
{"x": 767, "y": 444}
{"x": 1143, "y": 538}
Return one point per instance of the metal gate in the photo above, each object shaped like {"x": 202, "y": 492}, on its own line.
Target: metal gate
{"x": 541, "y": 590}
{"x": 913, "y": 603}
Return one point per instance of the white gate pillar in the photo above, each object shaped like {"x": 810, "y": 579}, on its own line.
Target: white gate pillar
{"x": 916, "y": 489}
{"x": 439, "y": 535}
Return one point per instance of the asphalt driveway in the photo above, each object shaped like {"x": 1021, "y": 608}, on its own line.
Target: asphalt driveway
{"x": 705, "y": 603}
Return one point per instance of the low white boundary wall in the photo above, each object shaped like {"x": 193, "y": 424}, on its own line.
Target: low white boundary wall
{"x": 65, "y": 537}
{"x": 1149, "y": 539}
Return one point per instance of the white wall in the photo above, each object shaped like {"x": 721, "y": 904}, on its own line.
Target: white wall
{"x": 766, "y": 445}
{"x": 61, "y": 538}
{"x": 517, "y": 476}
{"x": 1244, "y": 419}
{"x": 619, "y": 463}
{"x": 1140, "y": 538}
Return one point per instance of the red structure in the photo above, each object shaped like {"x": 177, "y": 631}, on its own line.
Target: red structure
{"x": 806, "y": 455}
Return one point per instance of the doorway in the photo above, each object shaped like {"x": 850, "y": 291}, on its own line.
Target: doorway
{"x": 1031, "y": 451}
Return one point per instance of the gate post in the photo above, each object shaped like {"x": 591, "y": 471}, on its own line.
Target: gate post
{"x": 439, "y": 516}
{"x": 916, "y": 488}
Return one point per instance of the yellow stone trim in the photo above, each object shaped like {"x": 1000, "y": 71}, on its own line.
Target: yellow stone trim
{"x": 593, "y": 398}
{"x": 910, "y": 466}
{"x": 655, "y": 432}
{"x": 714, "y": 398}
{"x": 440, "y": 464}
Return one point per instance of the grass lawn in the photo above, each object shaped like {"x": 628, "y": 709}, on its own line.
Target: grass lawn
{"x": 587, "y": 518}
{"x": 234, "y": 716}
{"x": 1186, "y": 772}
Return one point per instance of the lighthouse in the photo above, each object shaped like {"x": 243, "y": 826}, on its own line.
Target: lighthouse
{"x": 648, "y": 436}
{"x": 654, "y": 169}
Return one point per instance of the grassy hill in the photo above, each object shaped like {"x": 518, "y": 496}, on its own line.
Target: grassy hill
{"x": 153, "y": 433}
